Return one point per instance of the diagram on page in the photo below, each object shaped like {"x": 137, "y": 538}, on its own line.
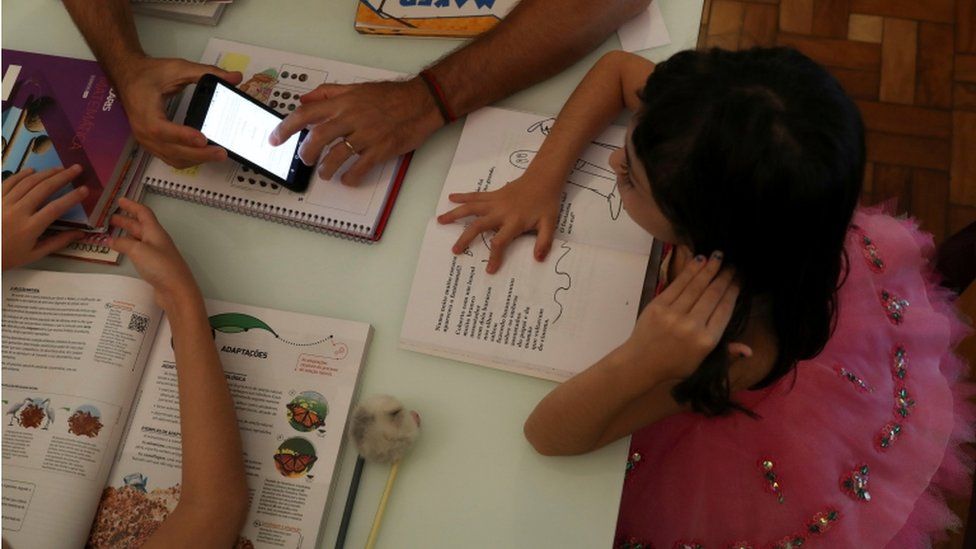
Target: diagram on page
{"x": 499, "y": 146}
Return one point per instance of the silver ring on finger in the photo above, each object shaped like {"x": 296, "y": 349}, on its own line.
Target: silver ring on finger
{"x": 349, "y": 146}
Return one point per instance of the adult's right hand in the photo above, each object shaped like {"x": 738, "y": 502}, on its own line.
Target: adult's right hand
{"x": 378, "y": 120}
{"x": 145, "y": 84}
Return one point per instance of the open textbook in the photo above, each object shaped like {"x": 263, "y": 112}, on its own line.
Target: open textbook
{"x": 546, "y": 319}
{"x": 92, "y": 414}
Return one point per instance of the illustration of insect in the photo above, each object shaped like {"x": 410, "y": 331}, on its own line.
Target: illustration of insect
{"x": 302, "y": 415}
{"x": 293, "y": 464}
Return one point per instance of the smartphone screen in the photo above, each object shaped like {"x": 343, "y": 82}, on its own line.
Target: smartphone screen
{"x": 242, "y": 127}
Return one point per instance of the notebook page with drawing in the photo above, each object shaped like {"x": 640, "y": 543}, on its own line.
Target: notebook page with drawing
{"x": 278, "y": 78}
{"x": 546, "y": 319}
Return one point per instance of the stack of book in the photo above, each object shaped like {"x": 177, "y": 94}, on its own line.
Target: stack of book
{"x": 462, "y": 19}
{"x": 60, "y": 111}
{"x": 202, "y": 12}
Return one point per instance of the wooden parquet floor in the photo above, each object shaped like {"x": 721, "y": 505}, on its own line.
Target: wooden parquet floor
{"x": 910, "y": 65}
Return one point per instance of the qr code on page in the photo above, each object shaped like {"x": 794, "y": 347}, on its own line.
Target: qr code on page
{"x": 138, "y": 323}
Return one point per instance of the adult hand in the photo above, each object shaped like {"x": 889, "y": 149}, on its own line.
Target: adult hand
{"x": 27, "y": 213}
{"x": 153, "y": 253}
{"x": 378, "y": 120}
{"x": 145, "y": 84}
{"x": 685, "y": 322}
{"x": 525, "y": 204}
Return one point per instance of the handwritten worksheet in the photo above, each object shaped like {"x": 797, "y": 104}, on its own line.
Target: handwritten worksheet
{"x": 548, "y": 319}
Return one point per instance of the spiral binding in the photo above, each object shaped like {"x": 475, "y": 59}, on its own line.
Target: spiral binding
{"x": 262, "y": 210}
{"x": 89, "y": 244}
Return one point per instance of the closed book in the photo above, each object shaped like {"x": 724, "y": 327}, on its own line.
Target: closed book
{"x": 61, "y": 111}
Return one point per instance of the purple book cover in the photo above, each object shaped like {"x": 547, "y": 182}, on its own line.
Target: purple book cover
{"x": 59, "y": 111}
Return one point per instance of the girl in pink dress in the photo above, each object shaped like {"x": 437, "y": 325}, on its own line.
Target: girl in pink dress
{"x": 793, "y": 382}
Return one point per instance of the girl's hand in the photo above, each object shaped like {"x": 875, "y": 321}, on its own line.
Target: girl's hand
{"x": 155, "y": 256}
{"x": 522, "y": 205}
{"x": 26, "y": 216}
{"x": 682, "y": 325}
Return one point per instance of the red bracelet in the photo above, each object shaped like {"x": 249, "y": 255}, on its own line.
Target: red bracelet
{"x": 438, "y": 94}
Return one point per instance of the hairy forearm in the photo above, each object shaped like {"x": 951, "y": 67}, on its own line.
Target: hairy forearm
{"x": 593, "y": 408}
{"x": 538, "y": 39}
{"x": 110, "y": 31}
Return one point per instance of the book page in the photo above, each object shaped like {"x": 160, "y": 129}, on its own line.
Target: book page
{"x": 548, "y": 319}
{"x": 293, "y": 378}
{"x": 645, "y": 31}
{"x": 278, "y": 79}
{"x": 74, "y": 347}
{"x": 497, "y": 146}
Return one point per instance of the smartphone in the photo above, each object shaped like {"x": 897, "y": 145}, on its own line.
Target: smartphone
{"x": 241, "y": 124}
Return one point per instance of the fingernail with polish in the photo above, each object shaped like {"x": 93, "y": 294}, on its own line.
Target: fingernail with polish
{"x": 717, "y": 255}
{"x": 699, "y": 258}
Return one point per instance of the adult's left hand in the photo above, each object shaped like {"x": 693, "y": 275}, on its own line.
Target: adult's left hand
{"x": 374, "y": 122}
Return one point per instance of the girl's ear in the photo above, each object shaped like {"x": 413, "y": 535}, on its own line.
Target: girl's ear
{"x": 739, "y": 350}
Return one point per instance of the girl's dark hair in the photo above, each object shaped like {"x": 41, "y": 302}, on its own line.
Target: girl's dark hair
{"x": 759, "y": 154}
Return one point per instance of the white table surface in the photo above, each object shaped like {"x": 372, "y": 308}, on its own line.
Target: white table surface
{"x": 472, "y": 480}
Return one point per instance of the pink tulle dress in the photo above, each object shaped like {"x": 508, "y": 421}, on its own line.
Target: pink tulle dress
{"x": 858, "y": 450}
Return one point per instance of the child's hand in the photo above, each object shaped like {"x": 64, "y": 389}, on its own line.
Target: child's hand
{"x": 682, "y": 325}
{"x": 26, "y": 216}
{"x": 155, "y": 256}
{"x": 521, "y": 206}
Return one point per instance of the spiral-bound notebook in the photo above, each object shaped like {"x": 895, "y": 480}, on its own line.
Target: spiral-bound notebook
{"x": 279, "y": 78}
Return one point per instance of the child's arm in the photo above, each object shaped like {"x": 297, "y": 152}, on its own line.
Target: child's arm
{"x": 531, "y": 202}
{"x": 629, "y": 388}
{"x": 214, "y": 499}
{"x": 27, "y": 213}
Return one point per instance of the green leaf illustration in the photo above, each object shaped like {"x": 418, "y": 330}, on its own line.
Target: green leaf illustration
{"x": 234, "y": 323}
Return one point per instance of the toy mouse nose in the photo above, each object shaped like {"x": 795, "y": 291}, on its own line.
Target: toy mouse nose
{"x": 416, "y": 417}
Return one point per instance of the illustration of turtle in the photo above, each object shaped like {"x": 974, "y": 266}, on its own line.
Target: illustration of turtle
{"x": 235, "y": 323}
